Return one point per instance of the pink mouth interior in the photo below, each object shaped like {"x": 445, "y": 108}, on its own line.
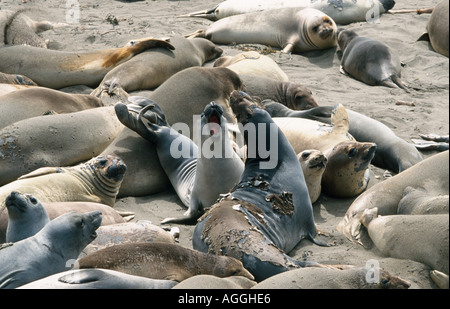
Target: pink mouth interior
{"x": 214, "y": 119}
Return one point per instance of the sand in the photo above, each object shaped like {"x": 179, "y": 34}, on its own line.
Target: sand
{"x": 424, "y": 70}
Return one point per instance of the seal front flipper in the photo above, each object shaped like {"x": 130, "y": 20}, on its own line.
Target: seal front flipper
{"x": 190, "y": 217}
{"x": 42, "y": 171}
{"x": 80, "y": 277}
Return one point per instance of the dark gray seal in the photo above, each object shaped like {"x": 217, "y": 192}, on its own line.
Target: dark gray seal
{"x": 369, "y": 61}
{"x": 26, "y": 216}
{"x": 393, "y": 152}
{"x": 269, "y": 211}
{"x": 48, "y": 252}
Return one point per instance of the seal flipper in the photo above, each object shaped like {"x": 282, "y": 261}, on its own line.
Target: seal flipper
{"x": 195, "y": 211}
{"x": 42, "y": 171}
{"x": 339, "y": 119}
{"x": 80, "y": 277}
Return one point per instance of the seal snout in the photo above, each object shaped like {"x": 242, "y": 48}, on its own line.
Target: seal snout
{"x": 17, "y": 200}
{"x": 213, "y": 114}
{"x": 240, "y": 103}
{"x": 117, "y": 169}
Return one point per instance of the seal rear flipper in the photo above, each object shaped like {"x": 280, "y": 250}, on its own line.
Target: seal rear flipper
{"x": 130, "y": 121}
{"x": 42, "y": 171}
{"x": 208, "y": 14}
{"x": 190, "y": 216}
{"x": 424, "y": 37}
{"x": 339, "y": 119}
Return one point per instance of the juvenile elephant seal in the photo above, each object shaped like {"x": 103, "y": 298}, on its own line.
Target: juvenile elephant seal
{"x": 55, "y": 140}
{"x": 393, "y": 152}
{"x": 57, "y": 69}
{"x": 437, "y": 28}
{"x": 16, "y": 28}
{"x": 430, "y": 174}
{"x": 252, "y": 63}
{"x": 341, "y": 11}
{"x": 313, "y": 163}
{"x": 302, "y": 29}
{"x": 323, "y": 278}
{"x": 97, "y": 180}
{"x": 369, "y": 61}
{"x": 37, "y": 101}
{"x": 163, "y": 261}
{"x": 26, "y": 216}
{"x": 152, "y": 67}
{"x": 269, "y": 211}
{"x": 192, "y": 170}
{"x": 292, "y": 94}
{"x": 392, "y": 236}
{"x": 97, "y": 279}
{"x": 48, "y": 252}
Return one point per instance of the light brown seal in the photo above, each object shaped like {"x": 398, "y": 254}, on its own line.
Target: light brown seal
{"x": 421, "y": 238}
{"x": 151, "y": 68}
{"x": 97, "y": 180}
{"x": 430, "y": 174}
{"x": 302, "y": 29}
{"x": 313, "y": 163}
{"x": 57, "y": 69}
{"x": 163, "y": 261}
{"x": 37, "y": 101}
{"x": 437, "y": 28}
{"x": 252, "y": 63}
{"x": 213, "y": 282}
{"x": 16, "y": 79}
{"x": 55, "y": 140}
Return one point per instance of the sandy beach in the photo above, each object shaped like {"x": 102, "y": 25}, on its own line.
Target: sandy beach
{"x": 424, "y": 71}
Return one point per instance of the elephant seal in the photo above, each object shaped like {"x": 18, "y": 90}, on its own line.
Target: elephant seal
{"x": 8, "y": 88}
{"x": 437, "y": 28}
{"x": 213, "y": 282}
{"x": 26, "y": 216}
{"x": 393, "y": 152}
{"x": 323, "y": 278}
{"x": 16, "y": 79}
{"x": 252, "y": 63}
{"x": 57, "y": 69}
{"x": 151, "y": 68}
{"x": 193, "y": 169}
{"x": 141, "y": 179}
{"x": 97, "y": 180}
{"x": 369, "y": 61}
{"x": 440, "y": 279}
{"x": 430, "y": 174}
{"x": 313, "y": 163}
{"x": 188, "y": 92}
{"x": 302, "y": 29}
{"x": 162, "y": 261}
{"x": 16, "y": 28}
{"x": 419, "y": 201}
{"x": 49, "y": 251}
{"x": 391, "y": 235}
{"x": 37, "y": 101}
{"x": 128, "y": 232}
{"x": 74, "y": 138}
{"x": 269, "y": 211}
{"x": 341, "y": 11}
{"x": 347, "y": 173}
{"x": 97, "y": 279}
{"x": 292, "y": 94}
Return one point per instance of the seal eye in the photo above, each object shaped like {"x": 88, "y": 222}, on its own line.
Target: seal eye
{"x": 80, "y": 223}
{"x": 305, "y": 155}
{"x": 33, "y": 200}
{"x": 102, "y": 162}
{"x": 298, "y": 98}
{"x": 352, "y": 152}
{"x": 315, "y": 28}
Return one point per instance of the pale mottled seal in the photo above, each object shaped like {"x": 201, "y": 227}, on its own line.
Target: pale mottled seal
{"x": 252, "y": 63}
{"x": 292, "y": 94}
{"x": 213, "y": 282}
{"x": 392, "y": 235}
{"x": 393, "y": 152}
{"x": 163, "y": 261}
{"x": 49, "y": 251}
{"x": 293, "y": 29}
{"x": 97, "y": 180}
{"x": 269, "y": 211}
{"x": 341, "y": 11}
{"x": 430, "y": 174}
{"x": 152, "y": 67}
{"x": 193, "y": 171}
{"x": 313, "y": 163}
{"x": 26, "y": 216}
{"x": 55, "y": 140}
{"x": 37, "y": 101}
{"x": 369, "y": 61}
{"x": 324, "y": 278}
{"x": 437, "y": 28}
{"x": 97, "y": 279}
{"x": 58, "y": 69}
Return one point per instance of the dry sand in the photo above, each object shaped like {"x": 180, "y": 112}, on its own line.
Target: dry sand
{"x": 426, "y": 71}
